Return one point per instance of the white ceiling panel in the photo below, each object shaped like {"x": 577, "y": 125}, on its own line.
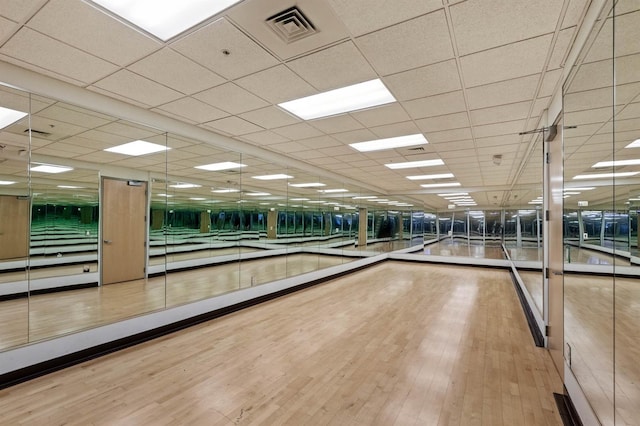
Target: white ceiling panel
{"x": 506, "y": 128}
{"x": 334, "y": 67}
{"x": 320, "y": 142}
{"x": 403, "y": 47}
{"x": 207, "y": 45}
{"x": 460, "y": 145}
{"x": 481, "y": 25}
{"x": 298, "y": 131}
{"x": 450, "y": 135}
{"x": 193, "y": 110}
{"x": 540, "y": 105}
{"x": 277, "y": 84}
{"x": 231, "y": 98}
{"x": 67, "y": 114}
{"x": 308, "y": 155}
{"x": 502, "y": 140}
{"x": 363, "y": 16}
{"x": 396, "y": 129}
{"x": 269, "y": 117}
{"x": 32, "y": 47}
{"x": 130, "y": 85}
{"x": 504, "y": 92}
{"x": 75, "y": 23}
{"x": 379, "y": 116}
{"x": 425, "y": 81}
{"x": 561, "y": 48}
{"x": 19, "y": 10}
{"x": 336, "y": 124}
{"x": 174, "y": 70}
{"x": 500, "y": 113}
{"x": 7, "y": 27}
{"x": 233, "y": 126}
{"x": 436, "y": 105}
{"x": 549, "y": 82}
{"x": 444, "y": 122}
{"x": 360, "y": 135}
{"x": 507, "y": 62}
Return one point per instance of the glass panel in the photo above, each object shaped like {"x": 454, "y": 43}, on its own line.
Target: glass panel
{"x": 14, "y": 221}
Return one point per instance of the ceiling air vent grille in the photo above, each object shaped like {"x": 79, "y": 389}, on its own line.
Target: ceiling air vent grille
{"x": 38, "y": 132}
{"x": 291, "y": 25}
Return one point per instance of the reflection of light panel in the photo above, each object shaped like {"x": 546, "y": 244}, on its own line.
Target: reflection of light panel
{"x": 634, "y": 144}
{"x": 412, "y": 164}
{"x": 298, "y": 199}
{"x": 272, "y": 177}
{"x": 440, "y": 185}
{"x": 364, "y": 197}
{"x": 6, "y": 182}
{"x": 136, "y": 148}
{"x": 390, "y": 143}
{"x": 257, "y": 194}
{"x": 453, "y": 194}
{"x": 436, "y": 176}
{"x": 9, "y": 116}
{"x": 604, "y": 175}
{"x": 165, "y": 195}
{"x": 50, "y": 168}
{"x": 197, "y": 198}
{"x": 316, "y": 202}
{"x": 307, "y": 185}
{"x": 165, "y": 19}
{"x": 225, "y": 190}
{"x": 225, "y": 165}
{"x": 580, "y": 188}
{"x": 329, "y": 191}
{"x": 338, "y": 101}
{"x": 70, "y": 187}
{"x": 617, "y": 163}
{"x": 184, "y": 185}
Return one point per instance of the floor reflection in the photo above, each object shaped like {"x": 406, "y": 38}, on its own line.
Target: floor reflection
{"x": 477, "y": 249}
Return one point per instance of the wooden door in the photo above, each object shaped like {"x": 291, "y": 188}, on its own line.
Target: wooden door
{"x": 124, "y": 230}
{"x": 14, "y": 227}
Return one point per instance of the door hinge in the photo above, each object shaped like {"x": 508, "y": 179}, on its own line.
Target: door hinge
{"x": 546, "y": 215}
{"x": 546, "y": 330}
{"x": 548, "y": 158}
{"x": 546, "y": 273}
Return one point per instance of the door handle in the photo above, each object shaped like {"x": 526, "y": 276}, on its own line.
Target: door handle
{"x": 107, "y": 241}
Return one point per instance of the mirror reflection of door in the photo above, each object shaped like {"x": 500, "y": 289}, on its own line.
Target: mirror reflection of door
{"x": 124, "y": 243}
{"x": 14, "y": 227}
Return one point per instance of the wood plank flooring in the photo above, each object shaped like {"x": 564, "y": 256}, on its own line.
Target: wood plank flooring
{"x": 395, "y": 344}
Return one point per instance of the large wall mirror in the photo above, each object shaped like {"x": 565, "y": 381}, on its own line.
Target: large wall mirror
{"x": 602, "y": 291}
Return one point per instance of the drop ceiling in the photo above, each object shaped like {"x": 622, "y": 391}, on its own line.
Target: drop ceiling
{"x": 469, "y": 75}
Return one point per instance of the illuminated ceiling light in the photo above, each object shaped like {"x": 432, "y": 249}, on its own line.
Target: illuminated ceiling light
{"x": 412, "y": 164}
{"x": 440, "y": 185}
{"x": 184, "y": 185}
{"x": 7, "y": 182}
{"x": 571, "y": 193}
{"x": 364, "y": 197}
{"x": 307, "y": 185}
{"x": 9, "y": 116}
{"x": 390, "y": 143}
{"x": 380, "y": 200}
{"x": 70, "y": 187}
{"x": 316, "y": 202}
{"x": 50, "y": 168}
{"x": 583, "y": 188}
{"x": 634, "y": 144}
{"x": 534, "y": 202}
{"x": 453, "y": 194}
{"x": 197, "y": 198}
{"x": 225, "y": 190}
{"x": 346, "y": 99}
{"x": 298, "y": 199}
{"x": 164, "y": 195}
{"x": 272, "y": 177}
{"x": 605, "y": 175}
{"x": 136, "y": 148}
{"x": 436, "y": 176}
{"x": 329, "y": 191}
{"x": 265, "y": 204}
{"x": 617, "y": 163}
{"x": 257, "y": 194}
{"x": 225, "y": 165}
{"x": 168, "y": 18}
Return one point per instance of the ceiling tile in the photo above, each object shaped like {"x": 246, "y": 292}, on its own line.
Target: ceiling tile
{"x": 231, "y": 98}
{"x": 500, "y": 113}
{"x": 308, "y": 155}
{"x": 425, "y": 81}
{"x": 298, "y": 131}
{"x": 36, "y": 49}
{"x": 130, "y": 85}
{"x": 265, "y": 138}
{"x": 540, "y": 105}
{"x": 288, "y": 147}
{"x": 75, "y": 23}
{"x": 443, "y": 122}
{"x": 436, "y": 105}
{"x": 320, "y": 142}
{"x": 562, "y": 46}
{"x": 334, "y": 67}
{"x": 174, "y": 70}
{"x": 379, "y": 116}
{"x": 234, "y": 126}
{"x": 193, "y": 110}
{"x": 481, "y": 25}
{"x": 549, "y": 82}
{"x": 206, "y": 47}
{"x": 7, "y": 27}
{"x": 277, "y": 84}
{"x": 403, "y": 47}
{"x": 504, "y": 92}
{"x": 573, "y": 13}
{"x": 449, "y": 135}
{"x": 19, "y": 10}
{"x": 506, "y": 62}
{"x": 363, "y": 16}
{"x": 269, "y": 117}
{"x": 360, "y": 135}
{"x": 506, "y": 128}
{"x": 395, "y": 129}
{"x": 336, "y": 124}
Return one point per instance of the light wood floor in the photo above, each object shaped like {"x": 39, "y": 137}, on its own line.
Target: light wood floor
{"x": 463, "y": 248}
{"x": 395, "y": 344}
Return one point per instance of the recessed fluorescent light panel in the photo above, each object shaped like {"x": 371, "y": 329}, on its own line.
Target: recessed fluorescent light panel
{"x": 307, "y": 185}
{"x": 440, "y": 185}
{"x": 168, "y": 18}
{"x": 184, "y": 185}
{"x": 216, "y": 167}
{"x": 364, "y": 197}
{"x": 453, "y": 194}
{"x": 136, "y": 148}
{"x": 6, "y": 182}
{"x": 436, "y": 176}
{"x": 50, "y": 168}
{"x": 346, "y": 99}
{"x": 413, "y": 164}
{"x": 604, "y": 175}
{"x": 225, "y": 190}
{"x": 70, "y": 187}
{"x": 390, "y": 143}
{"x": 617, "y": 163}
{"x": 272, "y": 177}
{"x": 9, "y": 116}
{"x": 257, "y": 194}
{"x": 329, "y": 191}
{"x": 197, "y": 198}
{"x": 634, "y": 144}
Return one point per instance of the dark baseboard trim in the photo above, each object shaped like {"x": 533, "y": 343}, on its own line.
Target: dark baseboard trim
{"x": 14, "y": 296}
{"x": 31, "y": 372}
{"x": 65, "y": 288}
{"x": 538, "y": 338}
{"x": 566, "y": 409}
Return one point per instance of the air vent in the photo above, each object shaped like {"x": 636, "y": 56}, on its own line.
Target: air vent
{"x": 418, "y": 148}
{"x": 38, "y": 132}
{"x": 291, "y": 25}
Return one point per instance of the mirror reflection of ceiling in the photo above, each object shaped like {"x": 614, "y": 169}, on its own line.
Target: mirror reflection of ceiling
{"x": 469, "y": 75}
